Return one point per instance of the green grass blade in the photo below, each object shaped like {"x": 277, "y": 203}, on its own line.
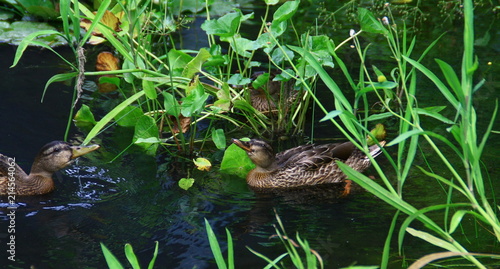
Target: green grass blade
{"x": 339, "y": 95}
{"x": 452, "y": 79}
{"x": 132, "y": 259}
{"x": 214, "y": 246}
{"x": 271, "y": 263}
{"x": 440, "y": 85}
{"x": 57, "y": 78}
{"x": 96, "y": 19}
{"x": 153, "y": 260}
{"x": 106, "y": 119}
{"x": 230, "y": 250}
{"x": 111, "y": 260}
{"x": 387, "y": 245}
{"x": 29, "y": 39}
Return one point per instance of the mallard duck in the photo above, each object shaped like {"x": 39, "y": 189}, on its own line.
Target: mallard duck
{"x": 267, "y": 98}
{"x": 303, "y": 165}
{"x": 51, "y": 158}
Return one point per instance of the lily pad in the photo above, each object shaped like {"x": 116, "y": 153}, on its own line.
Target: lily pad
{"x": 17, "y": 31}
{"x": 6, "y": 15}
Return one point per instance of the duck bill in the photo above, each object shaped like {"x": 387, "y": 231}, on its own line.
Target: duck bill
{"x": 82, "y": 150}
{"x": 242, "y": 144}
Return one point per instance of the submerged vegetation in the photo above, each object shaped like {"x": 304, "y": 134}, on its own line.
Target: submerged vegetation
{"x": 189, "y": 102}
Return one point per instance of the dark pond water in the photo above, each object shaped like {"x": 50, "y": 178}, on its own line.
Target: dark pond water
{"x": 128, "y": 201}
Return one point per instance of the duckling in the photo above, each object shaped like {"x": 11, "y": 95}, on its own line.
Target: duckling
{"x": 52, "y": 157}
{"x": 303, "y": 165}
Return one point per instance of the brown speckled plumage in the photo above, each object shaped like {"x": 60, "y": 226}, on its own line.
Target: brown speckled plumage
{"x": 303, "y": 165}
{"x": 51, "y": 158}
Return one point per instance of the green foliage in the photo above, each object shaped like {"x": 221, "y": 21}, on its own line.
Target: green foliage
{"x": 186, "y": 183}
{"x": 114, "y": 263}
{"x": 236, "y": 162}
{"x": 309, "y": 259}
{"x": 402, "y": 106}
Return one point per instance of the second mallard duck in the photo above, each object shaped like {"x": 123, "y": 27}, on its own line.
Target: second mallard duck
{"x": 303, "y": 165}
{"x": 52, "y": 157}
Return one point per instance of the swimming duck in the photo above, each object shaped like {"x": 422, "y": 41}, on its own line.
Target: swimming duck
{"x": 303, "y": 165}
{"x": 51, "y": 158}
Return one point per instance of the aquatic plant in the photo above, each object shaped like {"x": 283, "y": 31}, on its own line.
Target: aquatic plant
{"x": 309, "y": 259}
{"x": 114, "y": 263}
{"x": 470, "y": 183}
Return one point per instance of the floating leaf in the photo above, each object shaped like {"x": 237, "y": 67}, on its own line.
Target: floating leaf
{"x": 202, "y": 164}
{"x": 186, "y": 183}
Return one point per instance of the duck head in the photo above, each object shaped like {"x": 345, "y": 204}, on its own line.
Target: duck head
{"x": 259, "y": 152}
{"x": 58, "y": 154}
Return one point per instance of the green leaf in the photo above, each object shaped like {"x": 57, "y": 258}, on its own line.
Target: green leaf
{"x": 57, "y": 78}
{"x": 225, "y": 26}
{"x": 332, "y": 114}
{"x": 194, "y": 66}
{"x": 432, "y": 239}
{"x": 286, "y": 11}
{"x": 186, "y": 183}
{"x": 219, "y": 138}
{"x": 153, "y": 260}
{"x": 98, "y": 127}
{"x": 84, "y": 116}
{"x": 202, "y": 164}
{"x": 178, "y": 60}
{"x": 271, "y": 2}
{"x": 238, "y": 79}
{"x": 452, "y": 79}
{"x": 171, "y": 104}
{"x": 282, "y": 54}
{"x": 456, "y": 220}
{"x": 440, "y": 85}
{"x": 223, "y": 97}
{"x": 369, "y": 23}
{"x": 27, "y": 41}
{"x": 132, "y": 259}
{"x": 194, "y": 103}
{"x": 236, "y": 162}
{"x": 214, "y": 246}
{"x": 111, "y": 260}
{"x": 432, "y": 113}
{"x": 149, "y": 88}
{"x": 242, "y": 46}
{"x": 261, "y": 80}
{"x": 146, "y": 128}
{"x": 129, "y": 116}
